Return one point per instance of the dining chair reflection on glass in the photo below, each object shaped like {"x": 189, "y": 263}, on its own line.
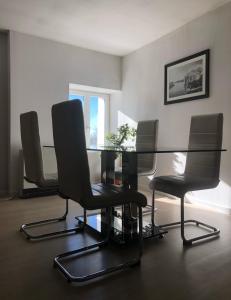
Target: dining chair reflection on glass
{"x": 201, "y": 171}
{"x": 32, "y": 155}
{"x": 146, "y": 139}
{"x": 74, "y": 184}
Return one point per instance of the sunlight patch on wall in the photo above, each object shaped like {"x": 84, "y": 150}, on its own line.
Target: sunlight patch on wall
{"x": 123, "y": 119}
{"x": 179, "y": 162}
{"x": 218, "y": 197}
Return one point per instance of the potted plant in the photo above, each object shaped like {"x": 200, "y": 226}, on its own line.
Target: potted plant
{"x": 123, "y": 134}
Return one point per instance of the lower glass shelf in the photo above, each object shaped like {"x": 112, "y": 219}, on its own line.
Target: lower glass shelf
{"x": 119, "y": 234}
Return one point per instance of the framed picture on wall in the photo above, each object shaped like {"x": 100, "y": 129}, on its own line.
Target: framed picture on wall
{"x": 187, "y": 79}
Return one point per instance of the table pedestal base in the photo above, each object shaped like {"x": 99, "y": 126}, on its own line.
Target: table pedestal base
{"x": 95, "y": 225}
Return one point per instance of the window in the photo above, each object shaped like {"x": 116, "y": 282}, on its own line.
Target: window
{"x": 96, "y": 114}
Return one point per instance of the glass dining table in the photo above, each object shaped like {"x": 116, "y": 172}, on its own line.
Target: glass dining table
{"x": 124, "y": 221}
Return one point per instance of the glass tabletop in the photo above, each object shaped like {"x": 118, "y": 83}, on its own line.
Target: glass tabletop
{"x": 143, "y": 150}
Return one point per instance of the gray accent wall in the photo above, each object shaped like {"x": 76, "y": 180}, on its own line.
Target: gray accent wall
{"x": 4, "y": 113}
{"x": 41, "y": 71}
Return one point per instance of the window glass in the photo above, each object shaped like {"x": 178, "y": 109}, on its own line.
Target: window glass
{"x": 74, "y": 97}
{"x": 97, "y": 120}
{"x": 96, "y": 114}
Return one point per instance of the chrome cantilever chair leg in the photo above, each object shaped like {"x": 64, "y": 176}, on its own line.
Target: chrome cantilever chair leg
{"x": 30, "y": 236}
{"x": 71, "y": 278}
{"x": 151, "y": 207}
{"x": 187, "y": 242}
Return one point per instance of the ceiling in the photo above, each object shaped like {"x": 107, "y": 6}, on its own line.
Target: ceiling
{"x": 111, "y": 26}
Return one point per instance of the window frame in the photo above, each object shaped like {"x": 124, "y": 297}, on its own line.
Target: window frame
{"x": 86, "y": 109}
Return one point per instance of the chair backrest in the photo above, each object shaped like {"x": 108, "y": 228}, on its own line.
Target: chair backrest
{"x": 206, "y": 132}
{"x": 146, "y": 138}
{"x": 70, "y": 149}
{"x": 31, "y": 147}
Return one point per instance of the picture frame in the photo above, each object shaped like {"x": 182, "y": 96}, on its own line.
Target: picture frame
{"x": 187, "y": 79}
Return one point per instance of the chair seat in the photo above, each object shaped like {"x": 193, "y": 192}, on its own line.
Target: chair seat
{"x": 179, "y": 185}
{"x": 108, "y": 195}
{"x": 105, "y": 189}
{"x": 141, "y": 171}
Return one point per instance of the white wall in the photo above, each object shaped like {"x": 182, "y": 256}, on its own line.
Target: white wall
{"x": 143, "y": 91}
{"x": 41, "y": 71}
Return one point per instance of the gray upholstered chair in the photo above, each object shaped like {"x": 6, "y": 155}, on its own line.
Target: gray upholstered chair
{"x": 32, "y": 152}
{"x": 146, "y": 139}
{"x": 201, "y": 171}
{"x": 74, "y": 182}
{"x": 32, "y": 155}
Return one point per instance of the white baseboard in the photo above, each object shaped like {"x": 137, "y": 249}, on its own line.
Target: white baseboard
{"x": 166, "y": 195}
{"x": 218, "y": 208}
{"x": 215, "y": 207}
